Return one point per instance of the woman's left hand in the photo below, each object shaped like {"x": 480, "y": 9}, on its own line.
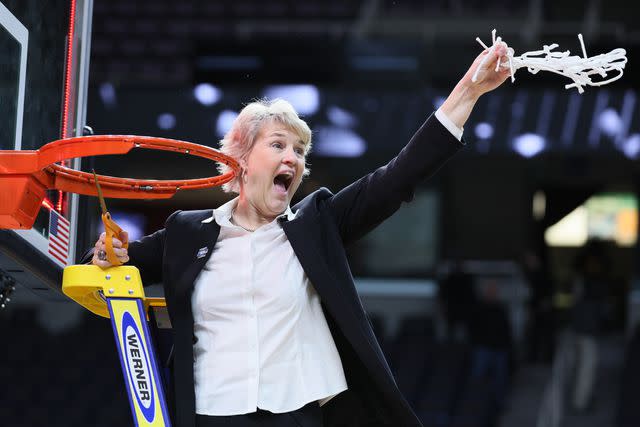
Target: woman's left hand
{"x": 488, "y": 78}
{"x": 460, "y": 102}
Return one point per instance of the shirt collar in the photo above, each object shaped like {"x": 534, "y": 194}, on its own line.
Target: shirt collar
{"x": 222, "y": 214}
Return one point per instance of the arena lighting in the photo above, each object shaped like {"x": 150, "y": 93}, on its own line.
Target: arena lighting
{"x": 166, "y": 121}
{"x": 529, "y": 144}
{"x": 108, "y": 94}
{"x": 572, "y": 230}
{"x": 47, "y": 204}
{"x": 224, "y": 122}
{"x": 341, "y": 117}
{"x": 631, "y": 146}
{"x": 438, "y": 101}
{"x": 333, "y": 141}
{"x": 133, "y": 223}
{"x": 610, "y": 122}
{"x": 207, "y": 94}
{"x": 385, "y": 63}
{"x": 304, "y": 98}
{"x": 484, "y": 130}
{"x": 66, "y": 105}
{"x": 228, "y": 62}
{"x": 539, "y": 205}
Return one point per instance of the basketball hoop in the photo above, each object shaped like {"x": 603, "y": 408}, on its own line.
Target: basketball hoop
{"x": 26, "y": 175}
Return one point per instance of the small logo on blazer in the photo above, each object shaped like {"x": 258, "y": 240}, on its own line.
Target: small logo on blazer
{"x": 202, "y": 252}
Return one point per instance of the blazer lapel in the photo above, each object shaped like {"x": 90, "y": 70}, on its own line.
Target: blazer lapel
{"x": 199, "y": 251}
{"x": 338, "y": 297}
{"x": 305, "y": 248}
{"x": 324, "y": 282}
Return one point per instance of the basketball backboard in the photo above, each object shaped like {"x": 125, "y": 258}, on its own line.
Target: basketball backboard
{"x": 43, "y": 86}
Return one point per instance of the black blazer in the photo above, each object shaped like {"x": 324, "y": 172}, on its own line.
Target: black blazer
{"x": 325, "y": 223}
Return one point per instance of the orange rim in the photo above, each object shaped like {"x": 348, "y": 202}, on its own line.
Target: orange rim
{"x": 71, "y": 180}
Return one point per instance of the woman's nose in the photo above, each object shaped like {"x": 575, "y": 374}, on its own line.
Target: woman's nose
{"x": 289, "y": 157}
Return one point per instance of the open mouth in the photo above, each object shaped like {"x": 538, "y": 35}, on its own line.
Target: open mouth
{"x": 283, "y": 181}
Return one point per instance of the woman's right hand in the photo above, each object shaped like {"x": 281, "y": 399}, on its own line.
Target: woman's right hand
{"x": 100, "y": 254}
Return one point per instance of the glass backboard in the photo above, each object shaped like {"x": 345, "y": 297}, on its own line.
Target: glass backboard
{"x": 43, "y": 84}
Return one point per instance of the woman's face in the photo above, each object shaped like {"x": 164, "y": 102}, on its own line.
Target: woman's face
{"x": 273, "y": 169}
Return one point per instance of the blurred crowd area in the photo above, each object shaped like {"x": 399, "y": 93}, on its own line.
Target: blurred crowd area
{"x": 503, "y": 297}
{"x": 457, "y": 361}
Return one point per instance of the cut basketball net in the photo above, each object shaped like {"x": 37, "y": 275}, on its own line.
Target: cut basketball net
{"x": 579, "y": 69}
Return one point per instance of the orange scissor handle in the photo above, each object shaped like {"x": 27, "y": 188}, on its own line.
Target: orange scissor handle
{"x": 112, "y": 229}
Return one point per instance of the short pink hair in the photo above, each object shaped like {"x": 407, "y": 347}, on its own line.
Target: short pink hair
{"x": 239, "y": 140}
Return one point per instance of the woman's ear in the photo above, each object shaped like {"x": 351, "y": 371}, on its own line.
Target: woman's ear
{"x": 243, "y": 170}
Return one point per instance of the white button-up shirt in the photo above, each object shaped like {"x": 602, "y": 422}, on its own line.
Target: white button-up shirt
{"x": 262, "y": 338}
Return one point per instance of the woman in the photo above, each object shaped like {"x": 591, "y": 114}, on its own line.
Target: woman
{"x": 268, "y": 327}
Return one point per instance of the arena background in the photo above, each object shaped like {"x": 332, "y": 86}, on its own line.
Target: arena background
{"x": 481, "y": 270}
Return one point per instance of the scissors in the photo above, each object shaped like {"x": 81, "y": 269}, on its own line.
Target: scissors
{"x": 111, "y": 229}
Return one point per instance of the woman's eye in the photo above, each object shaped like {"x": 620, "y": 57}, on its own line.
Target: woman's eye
{"x": 277, "y": 145}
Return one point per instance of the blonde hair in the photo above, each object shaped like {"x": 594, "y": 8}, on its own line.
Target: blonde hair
{"x": 240, "y": 139}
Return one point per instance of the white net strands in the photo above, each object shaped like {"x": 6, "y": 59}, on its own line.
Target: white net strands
{"x": 580, "y": 69}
